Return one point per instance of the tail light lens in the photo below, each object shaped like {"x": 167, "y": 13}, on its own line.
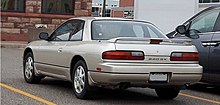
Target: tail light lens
{"x": 155, "y": 41}
{"x": 184, "y": 56}
{"x": 123, "y": 55}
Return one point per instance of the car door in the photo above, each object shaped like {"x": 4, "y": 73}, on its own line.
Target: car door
{"x": 214, "y": 57}
{"x": 203, "y": 27}
{"x": 52, "y": 59}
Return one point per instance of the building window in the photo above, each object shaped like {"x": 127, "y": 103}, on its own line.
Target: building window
{"x": 12, "y": 5}
{"x": 96, "y": 11}
{"x": 108, "y": 13}
{"x": 58, "y": 6}
{"x": 209, "y": 1}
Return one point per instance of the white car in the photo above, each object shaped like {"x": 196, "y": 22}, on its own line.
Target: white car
{"x": 112, "y": 53}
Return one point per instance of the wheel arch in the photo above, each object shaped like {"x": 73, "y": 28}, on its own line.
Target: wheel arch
{"x": 27, "y": 50}
{"x": 74, "y": 60}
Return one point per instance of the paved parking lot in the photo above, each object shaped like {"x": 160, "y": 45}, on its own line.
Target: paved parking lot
{"x": 15, "y": 91}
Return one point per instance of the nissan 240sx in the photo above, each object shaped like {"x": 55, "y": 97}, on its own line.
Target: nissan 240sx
{"x": 112, "y": 53}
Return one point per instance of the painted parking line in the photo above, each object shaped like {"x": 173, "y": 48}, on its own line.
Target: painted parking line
{"x": 27, "y": 94}
{"x": 200, "y": 98}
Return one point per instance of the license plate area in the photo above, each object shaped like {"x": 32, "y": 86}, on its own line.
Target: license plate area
{"x": 158, "y": 77}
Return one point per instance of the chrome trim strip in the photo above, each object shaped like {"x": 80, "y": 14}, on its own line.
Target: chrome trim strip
{"x": 51, "y": 64}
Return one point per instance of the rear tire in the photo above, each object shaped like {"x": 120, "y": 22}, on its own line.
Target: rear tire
{"x": 80, "y": 83}
{"x": 29, "y": 69}
{"x": 167, "y": 93}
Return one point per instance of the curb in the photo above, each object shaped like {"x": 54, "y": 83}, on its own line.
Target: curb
{"x": 13, "y": 44}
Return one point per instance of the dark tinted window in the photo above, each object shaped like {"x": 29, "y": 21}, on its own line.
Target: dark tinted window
{"x": 208, "y": 1}
{"x": 57, "y": 6}
{"x": 12, "y": 5}
{"x": 104, "y": 30}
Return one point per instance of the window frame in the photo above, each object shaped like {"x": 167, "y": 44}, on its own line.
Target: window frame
{"x": 52, "y": 34}
{"x": 210, "y": 1}
{"x": 217, "y": 23}
{"x": 73, "y": 12}
{"x": 189, "y": 24}
{"x": 23, "y": 11}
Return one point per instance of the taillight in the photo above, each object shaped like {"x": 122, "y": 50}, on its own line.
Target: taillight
{"x": 184, "y": 56}
{"x": 123, "y": 55}
{"x": 155, "y": 41}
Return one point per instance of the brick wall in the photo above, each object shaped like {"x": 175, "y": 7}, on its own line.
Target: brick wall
{"x": 124, "y": 6}
{"x": 126, "y": 3}
{"x": 118, "y": 14}
{"x": 14, "y": 26}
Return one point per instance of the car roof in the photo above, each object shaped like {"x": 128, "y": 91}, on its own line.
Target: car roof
{"x": 212, "y": 7}
{"x": 108, "y": 18}
{"x": 99, "y": 18}
{"x": 201, "y": 12}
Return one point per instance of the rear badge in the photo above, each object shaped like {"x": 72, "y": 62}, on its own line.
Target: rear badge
{"x": 157, "y": 59}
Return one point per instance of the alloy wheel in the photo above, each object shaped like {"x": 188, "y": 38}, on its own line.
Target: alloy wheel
{"x": 79, "y": 79}
{"x": 29, "y": 67}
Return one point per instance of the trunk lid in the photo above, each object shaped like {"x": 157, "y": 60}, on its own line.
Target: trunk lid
{"x": 155, "y": 53}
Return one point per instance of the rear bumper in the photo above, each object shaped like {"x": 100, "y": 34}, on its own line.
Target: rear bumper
{"x": 179, "y": 74}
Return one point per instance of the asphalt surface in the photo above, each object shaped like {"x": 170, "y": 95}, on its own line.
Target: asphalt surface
{"x": 60, "y": 92}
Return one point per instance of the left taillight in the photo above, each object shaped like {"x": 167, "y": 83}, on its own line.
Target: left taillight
{"x": 123, "y": 55}
{"x": 184, "y": 56}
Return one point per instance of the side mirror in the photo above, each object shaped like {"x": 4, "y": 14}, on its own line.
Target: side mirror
{"x": 192, "y": 33}
{"x": 44, "y": 36}
{"x": 181, "y": 29}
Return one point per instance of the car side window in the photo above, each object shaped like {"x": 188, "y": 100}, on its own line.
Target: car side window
{"x": 78, "y": 32}
{"x": 67, "y": 30}
{"x": 204, "y": 23}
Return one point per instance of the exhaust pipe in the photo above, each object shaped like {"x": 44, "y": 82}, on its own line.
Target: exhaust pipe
{"x": 185, "y": 86}
{"x": 124, "y": 85}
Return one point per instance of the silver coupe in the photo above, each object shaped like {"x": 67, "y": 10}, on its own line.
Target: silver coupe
{"x": 114, "y": 53}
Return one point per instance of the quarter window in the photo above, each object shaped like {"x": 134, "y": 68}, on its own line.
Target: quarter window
{"x": 205, "y": 22}
{"x": 57, "y": 6}
{"x": 12, "y": 5}
{"x": 78, "y": 32}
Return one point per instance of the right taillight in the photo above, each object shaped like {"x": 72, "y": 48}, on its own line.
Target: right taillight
{"x": 184, "y": 56}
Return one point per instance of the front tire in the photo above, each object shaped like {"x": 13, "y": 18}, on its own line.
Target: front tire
{"x": 81, "y": 87}
{"x": 28, "y": 69}
{"x": 167, "y": 93}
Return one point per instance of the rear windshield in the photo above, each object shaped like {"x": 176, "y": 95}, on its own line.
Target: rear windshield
{"x": 108, "y": 29}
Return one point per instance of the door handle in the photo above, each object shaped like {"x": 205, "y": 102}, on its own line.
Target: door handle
{"x": 215, "y": 44}
{"x": 60, "y": 50}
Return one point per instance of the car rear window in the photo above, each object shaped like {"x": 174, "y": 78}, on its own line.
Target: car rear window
{"x": 108, "y": 29}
